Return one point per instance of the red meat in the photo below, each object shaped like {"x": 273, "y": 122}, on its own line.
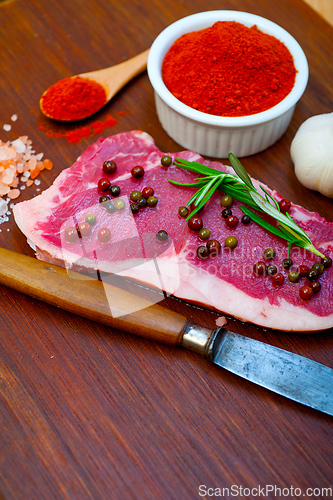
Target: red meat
{"x": 225, "y": 282}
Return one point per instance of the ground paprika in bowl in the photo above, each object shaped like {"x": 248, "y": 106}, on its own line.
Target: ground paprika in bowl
{"x": 244, "y": 109}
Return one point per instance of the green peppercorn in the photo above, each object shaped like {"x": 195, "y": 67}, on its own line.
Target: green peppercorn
{"x": 166, "y": 161}
{"x": 226, "y": 200}
{"x": 204, "y": 233}
{"x": 91, "y": 219}
{"x": 230, "y": 242}
{"x": 119, "y": 204}
{"x": 269, "y": 253}
{"x": 183, "y": 211}
{"x": 318, "y": 266}
{"x": 293, "y": 276}
{"x": 135, "y": 195}
{"x": 152, "y": 201}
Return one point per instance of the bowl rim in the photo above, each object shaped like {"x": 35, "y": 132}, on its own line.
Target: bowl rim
{"x": 205, "y": 19}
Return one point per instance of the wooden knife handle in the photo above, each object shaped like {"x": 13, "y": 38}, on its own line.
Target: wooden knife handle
{"x": 90, "y": 298}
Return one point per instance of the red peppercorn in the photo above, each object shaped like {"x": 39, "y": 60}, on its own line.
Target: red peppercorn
{"x": 315, "y": 285}
{"x": 231, "y": 221}
{"x": 104, "y": 235}
{"x": 137, "y": 172}
{"x": 278, "y": 279}
{"x": 302, "y": 269}
{"x": 84, "y": 229}
{"x": 214, "y": 247}
{"x": 147, "y": 191}
{"x": 306, "y": 292}
{"x": 109, "y": 167}
{"x": 195, "y": 223}
{"x": 104, "y": 184}
{"x": 284, "y": 205}
{"x": 71, "y": 234}
{"x": 259, "y": 268}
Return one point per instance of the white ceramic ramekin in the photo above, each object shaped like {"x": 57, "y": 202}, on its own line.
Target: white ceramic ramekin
{"x": 216, "y": 136}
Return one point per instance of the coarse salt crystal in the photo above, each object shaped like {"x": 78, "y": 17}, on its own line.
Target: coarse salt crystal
{"x": 3, "y": 207}
{"x": 19, "y": 145}
{"x": 37, "y": 182}
{"x": 14, "y": 118}
{"x": 7, "y": 127}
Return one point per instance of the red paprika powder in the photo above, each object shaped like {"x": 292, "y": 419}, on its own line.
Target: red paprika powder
{"x": 229, "y": 69}
{"x": 73, "y": 99}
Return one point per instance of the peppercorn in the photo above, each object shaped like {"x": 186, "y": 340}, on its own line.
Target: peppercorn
{"x": 134, "y": 207}
{"x": 284, "y": 205}
{"x": 202, "y": 252}
{"x": 114, "y": 190}
{"x": 231, "y": 221}
{"x": 104, "y": 235}
{"x": 269, "y": 253}
{"x": 278, "y": 279}
{"x": 204, "y": 233}
{"x": 147, "y": 191}
{"x": 183, "y": 211}
{"x": 287, "y": 263}
{"x": 91, "y": 219}
{"x": 259, "y": 268}
{"x": 318, "y": 266}
{"x": 119, "y": 204}
{"x": 137, "y": 172}
{"x": 214, "y": 247}
{"x": 302, "y": 269}
{"x": 271, "y": 270}
{"x": 135, "y": 195}
{"x": 327, "y": 261}
{"x": 103, "y": 184}
{"x": 110, "y": 207}
{"x": 71, "y": 234}
{"x": 104, "y": 200}
{"x": 246, "y": 219}
{"x": 162, "y": 235}
{"x": 312, "y": 275}
{"x": 195, "y": 223}
{"x": 109, "y": 167}
{"x": 293, "y": 276}
{"x": 166, "y": 161}
{"x": 230, "y": 242}
{"x": 315, "y": 285}
{"x": 152, "y": 201}
{"x": 142, "y": 203}
{"x": 226, "y": 200}
{"x": 305, "y": 293}
{"x": 84, "y": 229}
{"x": 226, "y": 212}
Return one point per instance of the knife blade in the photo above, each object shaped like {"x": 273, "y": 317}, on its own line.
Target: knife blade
{"x": 283, "y": 372}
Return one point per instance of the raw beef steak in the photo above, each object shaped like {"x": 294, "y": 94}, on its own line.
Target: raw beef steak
{"x": 224, "y": 282}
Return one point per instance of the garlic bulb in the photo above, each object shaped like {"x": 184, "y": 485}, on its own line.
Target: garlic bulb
{"x": 312, "y": 153}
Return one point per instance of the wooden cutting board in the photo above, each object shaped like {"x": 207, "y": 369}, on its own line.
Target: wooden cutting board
{"x": 86, "y": 411}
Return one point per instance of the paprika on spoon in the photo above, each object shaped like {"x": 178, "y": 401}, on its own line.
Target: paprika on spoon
{"x": 80, "y": 96}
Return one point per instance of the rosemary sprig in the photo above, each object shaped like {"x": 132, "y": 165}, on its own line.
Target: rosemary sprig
{"x": 240, "y": 186}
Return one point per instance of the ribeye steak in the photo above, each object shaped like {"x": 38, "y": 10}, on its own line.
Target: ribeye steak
{"x": 224, "y": 282}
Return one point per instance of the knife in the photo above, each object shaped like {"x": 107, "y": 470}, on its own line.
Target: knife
{"x": 283, "y": 372}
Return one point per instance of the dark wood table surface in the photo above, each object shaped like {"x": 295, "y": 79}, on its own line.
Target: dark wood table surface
{"x": 88, "y": 412}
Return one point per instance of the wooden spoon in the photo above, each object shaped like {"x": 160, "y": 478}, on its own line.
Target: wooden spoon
{"x": 112, "y": 79}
